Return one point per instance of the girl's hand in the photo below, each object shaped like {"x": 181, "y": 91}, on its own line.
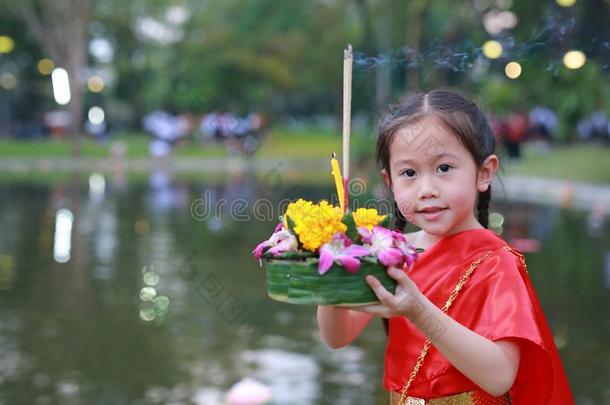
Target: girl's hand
{"x": 406, "y": 300}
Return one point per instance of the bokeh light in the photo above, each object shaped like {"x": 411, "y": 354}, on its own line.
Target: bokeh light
{"x": 97, "y": 186}
{"x": 6, "y": 44}
{"x": 96, "y": 115}
{"x": 148, "y": 293}
{"x": 574, "y": 59}
{"x": 45, "y": 66}
{"x": 8, "y": 81}
{"x": 512, "y": 70}
{"x": 95, "y": 84}
{"x": 63, "y": 235}
{"x": 492, "y": 49}
{"x": 566, "y": 3}
{"x": 141, "y": 227}
{"x": 496, "y": 220}
{"x": 151, "y": 278}
{"x": 61, "y": 86}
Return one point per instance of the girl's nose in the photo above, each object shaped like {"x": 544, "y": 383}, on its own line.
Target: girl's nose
{"x": 427, "y": 189}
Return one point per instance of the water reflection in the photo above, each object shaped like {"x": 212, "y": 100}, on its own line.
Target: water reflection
{"x": 156, "y": 306}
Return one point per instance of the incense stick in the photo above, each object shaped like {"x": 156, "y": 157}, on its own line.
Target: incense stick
{"x": 347, "y": 103}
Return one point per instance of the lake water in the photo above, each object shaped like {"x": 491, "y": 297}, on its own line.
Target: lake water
{"x": 133, "y": 291}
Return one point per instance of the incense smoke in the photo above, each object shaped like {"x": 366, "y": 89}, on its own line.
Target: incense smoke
{"x": 552, "y": 39}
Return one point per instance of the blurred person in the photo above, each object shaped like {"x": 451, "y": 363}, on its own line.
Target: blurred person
{"x": 57, "y": 121}
{"x": 166, "y": 130}
{"x": 595, "y": 127}
{"x": 543, "y": 122}
{"x": 517, "y": 125}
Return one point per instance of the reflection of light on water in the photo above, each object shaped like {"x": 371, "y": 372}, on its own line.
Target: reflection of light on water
{"x": 97, "y": 186}
{"x": 63, "y": 235}
{"x": 148, "y": 293}
{"x": 68, "y": 388}
{"x": 152, "y": 306}
{"x": 205, "y": 396}
{"x": 290, "y": 375}
{"x": 349, "y": 361}
{"x": 151, "y": 278}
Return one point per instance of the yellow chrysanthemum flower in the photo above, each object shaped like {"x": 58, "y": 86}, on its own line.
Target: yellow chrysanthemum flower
{"x": 367, "y": 217}
{"x": 314, "y": 224}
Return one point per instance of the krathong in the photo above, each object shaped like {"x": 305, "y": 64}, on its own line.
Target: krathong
{"x": 321, "y": 253}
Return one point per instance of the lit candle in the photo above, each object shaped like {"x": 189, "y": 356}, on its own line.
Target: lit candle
{"x": 336, "y": 172}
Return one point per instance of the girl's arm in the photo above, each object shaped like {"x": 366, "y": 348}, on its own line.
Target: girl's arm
{"x": 491, "y": 365}
{"x": 340, "y": 326}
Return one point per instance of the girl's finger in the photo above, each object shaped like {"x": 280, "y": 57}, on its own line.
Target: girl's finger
{"x": 384, "y": 295}
{"x": 400, "y": 276}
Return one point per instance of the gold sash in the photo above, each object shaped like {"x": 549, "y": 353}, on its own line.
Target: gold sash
{"x": 466, "y": 398}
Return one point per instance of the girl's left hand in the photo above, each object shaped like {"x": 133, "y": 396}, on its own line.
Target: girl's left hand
{"x": 406, "y": 301}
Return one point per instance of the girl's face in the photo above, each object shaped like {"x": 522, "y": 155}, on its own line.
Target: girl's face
{"x": 434, "y": 178}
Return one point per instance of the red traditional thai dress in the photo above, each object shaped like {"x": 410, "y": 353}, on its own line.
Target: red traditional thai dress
{"x": 498, "y": 302}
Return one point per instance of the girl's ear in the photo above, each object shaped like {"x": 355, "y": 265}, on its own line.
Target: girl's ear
{"x": 486, "y": 173}
{"x": 386, "y": 178}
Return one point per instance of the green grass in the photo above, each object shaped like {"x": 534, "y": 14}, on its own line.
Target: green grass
{"x": 588, "y": 163}
{"x": 279, "y": 143}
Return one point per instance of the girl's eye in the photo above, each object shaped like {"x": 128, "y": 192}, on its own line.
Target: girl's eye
{"x": 408, "y": 173}
{"x": 444, "y": 168}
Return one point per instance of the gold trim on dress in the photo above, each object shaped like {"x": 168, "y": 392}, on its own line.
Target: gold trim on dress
{"x": 465, "y": 398}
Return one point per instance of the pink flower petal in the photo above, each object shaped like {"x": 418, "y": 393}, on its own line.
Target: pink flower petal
{"x": 283, "y": 246}
{"x": 350, "y": 263}
{"x": 258, "y": 250}
{"x": 365, "y": 234}
{"x": 398, "y": 236}
{"x": 381, "y": 231}
{"x": 326, "y": 259}
{"x": 356, "y": 251}
{"x": 390, "y": 257}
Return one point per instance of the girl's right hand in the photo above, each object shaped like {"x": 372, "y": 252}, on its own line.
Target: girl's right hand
{"x": 406, "y": 301}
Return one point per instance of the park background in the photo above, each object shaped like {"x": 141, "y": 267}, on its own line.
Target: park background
{"x": 138, "y": 139}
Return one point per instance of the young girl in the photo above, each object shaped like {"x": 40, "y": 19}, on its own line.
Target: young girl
{"x": 465, "y": 325}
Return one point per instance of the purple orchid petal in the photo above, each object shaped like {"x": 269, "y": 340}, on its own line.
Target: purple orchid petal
{"x": 278, "y": 227}
{"x": 390, "y": 257}
{"x": 350, "y": 263}
{"x": 326, "y": 258}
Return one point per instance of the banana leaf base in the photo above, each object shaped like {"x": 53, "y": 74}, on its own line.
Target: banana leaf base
{"x": 298, "y": 282}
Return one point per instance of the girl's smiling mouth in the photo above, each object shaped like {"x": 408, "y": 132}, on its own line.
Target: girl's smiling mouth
{"x": 431, "y": 213}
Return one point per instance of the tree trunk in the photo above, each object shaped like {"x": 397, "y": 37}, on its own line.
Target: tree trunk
{"x": 61, "y": 29}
